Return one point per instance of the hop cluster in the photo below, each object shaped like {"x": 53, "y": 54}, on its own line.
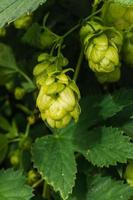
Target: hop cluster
{"x": 101, "y": 48}
{"x": 117, "y": 15}
{"x": 58, "y": 95}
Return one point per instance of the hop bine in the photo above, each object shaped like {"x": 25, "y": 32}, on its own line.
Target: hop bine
{"x": 101, "y": 47}
{"x": 58, "y": 95}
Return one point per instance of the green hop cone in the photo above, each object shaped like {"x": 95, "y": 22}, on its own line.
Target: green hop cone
{"x": 23, "y": 22}
{"x": 102, "y": 55}
{"x": 129, "y": 173}
{"x": 58, "y": 95}
{"x": 58, "y": 101}
{"x": 15, "y": 157}
{"x": 19, "y": 93}
{"x": 32, "y": 176}
{"x": 110, "y": 77}
{"x": 88, "y": 29}
{"x": 118, "y": 15}
{"x": 2, "y": 32}
{"x": 101, "y": 46}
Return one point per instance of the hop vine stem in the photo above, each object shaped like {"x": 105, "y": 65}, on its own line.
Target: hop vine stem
{"x": 77, "y": 70}
{"x": 25, "y": 76}
{"x": 80, "y": 23}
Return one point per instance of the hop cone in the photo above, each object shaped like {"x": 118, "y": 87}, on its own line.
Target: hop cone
{"x": 101, "y": 49}
{"x": 23, "y": 22}
{"x": 59, "y": 95}
{"x": 118, "y": 15}
{"x": 110, "y": 77}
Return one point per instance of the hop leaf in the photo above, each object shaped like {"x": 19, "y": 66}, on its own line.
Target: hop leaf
{"x": 54, "y": 158}
{"x": 13, "y": 187}
{"x": 105, "y": 188}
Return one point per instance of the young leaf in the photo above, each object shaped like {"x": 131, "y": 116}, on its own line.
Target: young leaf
{"x": 13, "y": 9}
{"x": 54, "y": 158}
{"x": 8, "y": 64}
{"x": 3, "y": 146}
{"x": 13, "y": 187}
{"x": 107, "y": 146}
{"x": 105, "y": 188}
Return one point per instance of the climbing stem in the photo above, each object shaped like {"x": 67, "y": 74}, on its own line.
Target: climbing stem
{"x": 80, "y": 23}
{"x": 78, "y": 66}
{"x": 45, "y": 193}
{"x": 25, "y": 76}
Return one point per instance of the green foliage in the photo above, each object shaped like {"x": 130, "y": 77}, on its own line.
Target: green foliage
{"x": 8, "y": 65}
{"x": 32, "y": 35}
{"x": 12, "y": 186}
{"x": 105, "y": 188}
{"x": 124, "y": 2}
{"x": 3, "y": 147}
{"x": 108, "y": 146}
{"x": 56, "y": 170}
{"x": 11, "y": 10}
{"x": 59, "y": 151}
{"x": 112, "y": 104}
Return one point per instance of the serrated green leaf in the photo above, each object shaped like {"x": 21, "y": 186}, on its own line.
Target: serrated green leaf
{"x": 13, "y": 9}
{"x": 107, "y": 146}
{"x": 105, "y": 188}
{"x": 3, "y": 146}
{"x": 54, "y": 158}
{"x": 8, "y": 66}
{"x": 124, "y": 2}
{"x": 112, "y": 104}
{"x": 13, "y": 187}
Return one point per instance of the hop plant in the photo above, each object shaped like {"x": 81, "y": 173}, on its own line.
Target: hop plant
{"x": 101, "y": 47}
{"x": 110, "y": 77}
{"x": 118, "y": 15}
{"x": 23, "y": 22}
{"x": 59, "y": 95}
{"x": 129, "y": 173}
{"x": 127, "y": 50}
